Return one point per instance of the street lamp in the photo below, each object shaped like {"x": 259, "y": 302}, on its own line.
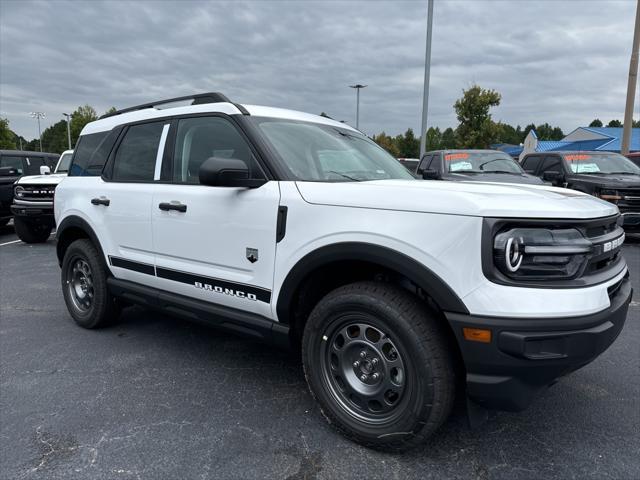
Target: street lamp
{"x": 357, "y": 87}
{"x": 38, "y": 115}
{"x": 68, "y": 128}
{"x": 427, "y": 72}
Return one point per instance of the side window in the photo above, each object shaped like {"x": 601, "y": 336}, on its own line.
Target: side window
{"x": 530, "y": 164}
{"x": 201, "y": 138}
{"x": 135, "y": 159}
{"x": 81, "y": 164}
{"x": 425, "y": 163}
{"x": 551, "y": 163}
{"x": 435, "y": 163}
{"x": 15, "y": 162}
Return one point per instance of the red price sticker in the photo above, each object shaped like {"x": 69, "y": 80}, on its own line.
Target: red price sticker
{"x": 573, "y": 158}
{"x": 456, "y": 156}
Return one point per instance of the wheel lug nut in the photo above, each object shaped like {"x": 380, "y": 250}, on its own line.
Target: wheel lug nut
{"x": 375, "y": 376}
{"x": 363, "y": 377}
{"x": 356, "y": 364}
{"x": 375, "y": 361}
{"x": 363, "y": 354}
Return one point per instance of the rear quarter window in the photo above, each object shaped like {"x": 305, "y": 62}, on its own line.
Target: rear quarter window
{"x": 91, "y": 153}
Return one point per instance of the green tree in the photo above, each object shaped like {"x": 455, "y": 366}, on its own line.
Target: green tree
{"x": 408, "y": 144}
{"x": 54, "y": 138}
{"x": 113, "y": 110}
{"x": 596, "y": 123}
{"x": 7, "y": 137}
{"x": 476, "y": 128}
{"x": 527, "y": 129}
{"x": 386, "y": 142}
{"x": 508, "y": 134}
{"x": 614, "y": 123}
{"x": 448, "y": 139}
{"x": 79, "y": 119}
{"x": 434, "y": 139}
{"x": 635, "y": 124}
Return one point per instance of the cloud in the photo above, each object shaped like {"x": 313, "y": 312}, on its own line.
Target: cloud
{"x": 563, "y": 62}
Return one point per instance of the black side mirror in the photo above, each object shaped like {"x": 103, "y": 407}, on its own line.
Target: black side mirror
{"x": 430, "y": 174}
{"x": 8, "y": 172}
{"x": 552, "y": 176}
{"x": 226, "y": 172}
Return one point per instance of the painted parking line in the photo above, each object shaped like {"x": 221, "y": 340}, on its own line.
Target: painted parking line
{"x": 9, "y": 243}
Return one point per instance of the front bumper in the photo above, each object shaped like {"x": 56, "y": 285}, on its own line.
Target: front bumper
{"x": 34, "y": 213}
{"x": 631, "y": 221}
{"x": 526, "y": 355}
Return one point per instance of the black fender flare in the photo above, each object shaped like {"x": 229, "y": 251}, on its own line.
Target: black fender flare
{"x": 388, "y": 258}
{"x": 73, "y": 222}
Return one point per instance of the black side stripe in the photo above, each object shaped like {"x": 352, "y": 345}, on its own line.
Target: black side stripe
{"x": 131, "y": 265}
{"x": 214, "y": 285}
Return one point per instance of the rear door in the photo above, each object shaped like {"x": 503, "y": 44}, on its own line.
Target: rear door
{"x": 122, "y": 201}
{"x": 215, "y": 244}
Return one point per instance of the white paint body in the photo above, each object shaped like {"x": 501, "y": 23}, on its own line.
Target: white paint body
{"x": 438, "y": 224}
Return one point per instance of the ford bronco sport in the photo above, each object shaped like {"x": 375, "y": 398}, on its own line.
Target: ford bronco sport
{"x": 33, "y": 201}
{"x": 299, "y": 230}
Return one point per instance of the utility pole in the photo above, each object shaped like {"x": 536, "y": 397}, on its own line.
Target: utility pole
{"x": 358, "y": 87}
{"x": 38, "y": 115}
{"x": 68, "y": 128}
{"x": 631, "y": 86}
{"x": 427, "y": 74}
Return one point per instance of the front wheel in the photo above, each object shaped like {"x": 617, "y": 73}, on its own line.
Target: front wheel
{"x": 31, "y": 232}
{"x": 84, "y": 286}
{"x": 377, "y": 361}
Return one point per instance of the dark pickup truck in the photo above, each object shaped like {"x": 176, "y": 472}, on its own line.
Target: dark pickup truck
{"x": 606, "y": 175}
{"x": 13, "y": 165}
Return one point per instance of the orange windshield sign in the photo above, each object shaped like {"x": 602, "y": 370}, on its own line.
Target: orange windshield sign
{"x": 573, "y": 158}
{"x": 456, "y": 156}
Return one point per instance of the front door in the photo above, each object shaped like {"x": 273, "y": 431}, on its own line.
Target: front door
{"x": 215, "y": 244}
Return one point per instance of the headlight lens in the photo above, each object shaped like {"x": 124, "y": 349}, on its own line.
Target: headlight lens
{"x": 19, "y": 191}
{"x": 541, "y": 253}
{"x": 609, "y": 195}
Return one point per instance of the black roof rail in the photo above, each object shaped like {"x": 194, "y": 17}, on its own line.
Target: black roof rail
{"x": 198, "y": 99}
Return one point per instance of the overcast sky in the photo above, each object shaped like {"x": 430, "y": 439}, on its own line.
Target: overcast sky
{"x": 564, "y": 62}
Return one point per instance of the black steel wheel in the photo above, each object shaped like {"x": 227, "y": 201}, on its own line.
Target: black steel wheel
{"x": 84, "y": 286}
{"x": 377, "y": 361}
{"x": 363, "y": 368}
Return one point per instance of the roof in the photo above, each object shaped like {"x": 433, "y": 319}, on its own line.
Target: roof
{"x": 24, "y": 153}
{"x": 615, "y": 134}
{"x": 148, "y": 113}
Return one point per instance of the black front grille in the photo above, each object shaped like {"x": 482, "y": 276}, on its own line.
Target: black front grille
{"x": 606, "y": 237}
{"x": 630, "y": 196}
{"x": 37, "y": 193}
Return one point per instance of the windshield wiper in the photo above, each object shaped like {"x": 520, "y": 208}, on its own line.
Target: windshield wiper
{"x": 502, "y": 171}
{"x": 343, "y": 175}
{"x": 622, "y": 173}
{"x": 466, "y": 171}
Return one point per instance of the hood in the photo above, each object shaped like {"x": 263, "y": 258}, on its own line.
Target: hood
{"x": 609, "y": 180}
{"x": 52, "y": 179}
{"x": 496, "y": 177}
{"x": 459, "y": 198}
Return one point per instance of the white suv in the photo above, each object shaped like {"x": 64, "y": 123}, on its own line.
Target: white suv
{"x": 299, "y": 230}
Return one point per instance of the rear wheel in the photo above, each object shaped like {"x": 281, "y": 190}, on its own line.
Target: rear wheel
{"x": 84, "y": 286}
{"x": 31, "y": 232}
{"x": 377, "y": 362}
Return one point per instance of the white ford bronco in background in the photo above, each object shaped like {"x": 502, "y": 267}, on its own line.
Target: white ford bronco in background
{"x": 32, "y": 206}
{"x": 299, "y": 230}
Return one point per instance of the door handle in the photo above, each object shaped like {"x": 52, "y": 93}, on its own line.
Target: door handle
{"x": 100, "y": 201}
{"x": 179, "y": 207}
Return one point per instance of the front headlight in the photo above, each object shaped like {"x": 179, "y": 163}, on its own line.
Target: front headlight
{"x": 541, "y": 253}
{"x": 19, "y": 191}
{"x": 608, "y": 195}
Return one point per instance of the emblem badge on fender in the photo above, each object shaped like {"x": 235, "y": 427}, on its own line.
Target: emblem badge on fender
{"x": 252, "y": 254}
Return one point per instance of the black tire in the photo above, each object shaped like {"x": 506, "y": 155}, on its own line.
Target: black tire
{"x": 415, "y": 387}
{"x": 30, "y": 232}
{"x": 4, "y": 222}
{"x": 84, "y": 286}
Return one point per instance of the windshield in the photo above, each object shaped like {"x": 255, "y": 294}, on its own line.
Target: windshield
{"x": 63, "y": 163}
{"x": 481, "y": 162}
{"x": 316, "y": 152}
{"x": 599, "y": 163}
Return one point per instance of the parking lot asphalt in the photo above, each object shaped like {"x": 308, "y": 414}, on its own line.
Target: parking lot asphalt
{"x": 155, "y": 397}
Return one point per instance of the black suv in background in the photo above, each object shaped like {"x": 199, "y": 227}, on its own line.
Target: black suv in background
{"x": 606, "y": 175}
{"x": 13, "y": 165}
{"x": 473, "y": 165}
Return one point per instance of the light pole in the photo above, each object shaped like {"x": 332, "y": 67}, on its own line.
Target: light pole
{"x": 427, "y": 72}
{"x": 357, "y": 87}
{"x": 38, "y": 115}
{"x": 68, "y": 128}
{"x": 631, "y": 86}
